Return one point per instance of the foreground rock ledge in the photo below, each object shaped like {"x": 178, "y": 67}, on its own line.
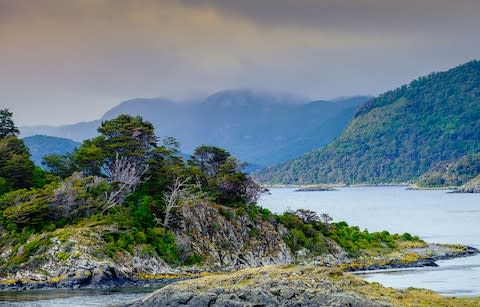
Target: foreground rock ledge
{"x": 290, "y": 285}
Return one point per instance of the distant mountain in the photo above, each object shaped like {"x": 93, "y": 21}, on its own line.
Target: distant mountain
{"x": 398, "y": 136}
{"x": 260, "y": 128}
{"x": 77, "y": 132}
{"x": 42, "y": 145}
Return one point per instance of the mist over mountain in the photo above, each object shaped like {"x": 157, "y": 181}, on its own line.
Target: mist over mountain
{"x": 260, "y": 128}
{"x": 398, "y": 136}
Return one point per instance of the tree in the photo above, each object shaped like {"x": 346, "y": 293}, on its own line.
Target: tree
{"x": 125, "y": 175}
{"x": 223, "y": 177}
{"x": 60, "y": 165}
{"x": 307, "y": 216}
{"x": 121, "y": 154}
{"x": 89, "y": 158}
{"x": 122, "y": 137}
{"x": 126, "y": 136}
{"x": 177, "y": 192}
{"x": 209, "y": 159}
{"x": 7, "y": 126}
{"x": 16, "y": 168}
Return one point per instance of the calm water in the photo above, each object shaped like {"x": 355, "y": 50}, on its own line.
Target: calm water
{"x": 71, "y": 298}
{"x": 436, "y": 216}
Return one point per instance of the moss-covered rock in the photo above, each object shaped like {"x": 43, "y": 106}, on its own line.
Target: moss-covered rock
{"x": 294, "y": 285}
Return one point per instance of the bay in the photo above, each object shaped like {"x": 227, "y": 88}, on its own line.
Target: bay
{"x": 435, "y": 215}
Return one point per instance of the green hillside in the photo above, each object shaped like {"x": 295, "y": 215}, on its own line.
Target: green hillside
{"x": 399, "y": 135}
{"x": 451, "y": 174}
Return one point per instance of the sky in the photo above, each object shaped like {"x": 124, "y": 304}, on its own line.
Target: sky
{"x": 70, "y": 61}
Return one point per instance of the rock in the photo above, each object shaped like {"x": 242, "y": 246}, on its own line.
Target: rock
{"x": 71, "y": 263}
{"x": 230, "y": 239}
{"x": 315, "y": 188}
{"x": 472, "y": 186}
{"x": 294, "y": 287}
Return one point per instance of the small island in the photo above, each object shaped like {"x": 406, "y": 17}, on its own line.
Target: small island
{"x": 316, "y": 188}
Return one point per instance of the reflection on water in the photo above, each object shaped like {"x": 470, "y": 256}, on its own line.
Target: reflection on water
{"x": 78, "y": 297}
{"x": 436, "y": 216}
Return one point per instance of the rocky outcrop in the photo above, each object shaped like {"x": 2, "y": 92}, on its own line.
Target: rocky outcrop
{"x": 224, "y": 237}
{"x": 315, "y": 188}
{"x": 221, "y": 238}
{"x": 472, "y": 186}
{"x": 425, "y": 256}
{"x": 266, "y": 286}
{"x": 75, "y": 258}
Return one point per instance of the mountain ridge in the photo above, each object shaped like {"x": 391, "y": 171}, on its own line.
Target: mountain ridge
{"x": 42, "y": 145}
{"x": 260, "y": 128}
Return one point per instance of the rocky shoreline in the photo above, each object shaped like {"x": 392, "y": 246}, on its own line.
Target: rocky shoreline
{"x": 291, "y": 285}
{"x": 109, "y": 276}
{"x": 427, "y": 258}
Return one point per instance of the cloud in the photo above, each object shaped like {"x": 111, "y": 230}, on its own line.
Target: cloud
{"x": 86, "y": 55}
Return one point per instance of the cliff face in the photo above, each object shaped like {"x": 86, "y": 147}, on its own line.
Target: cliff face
{"x": 225, "y": 238}
{"x": 78, "y": 256}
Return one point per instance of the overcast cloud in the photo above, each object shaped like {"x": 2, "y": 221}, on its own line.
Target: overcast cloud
{"x": 69, "y": 61}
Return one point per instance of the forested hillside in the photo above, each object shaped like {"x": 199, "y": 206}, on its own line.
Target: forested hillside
{"x": 451, "y": 174}
{"x": 398, "y": 136}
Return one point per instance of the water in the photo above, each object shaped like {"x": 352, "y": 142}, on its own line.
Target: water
{"x": 436, "y": 216}
{"x": 77, "y": 298}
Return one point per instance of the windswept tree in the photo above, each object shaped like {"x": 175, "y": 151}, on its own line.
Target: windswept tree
{"x": 223, "y": 176}
{"x": 209, "y": 159}
{"x": 16, "y": 168}
{"x": 7, "y": 126}
{"x": 120, "y": 153}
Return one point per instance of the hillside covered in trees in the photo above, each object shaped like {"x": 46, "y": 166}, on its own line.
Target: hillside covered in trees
{"x": 451, "y": 173}
{"x": 125, "y": 205}
{"x": 398, "y": 136}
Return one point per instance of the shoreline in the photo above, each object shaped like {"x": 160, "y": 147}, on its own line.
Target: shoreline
{"x": 425, "y": 259}
{"x": 422, "y": 262}
{"x": 334, "y": 185}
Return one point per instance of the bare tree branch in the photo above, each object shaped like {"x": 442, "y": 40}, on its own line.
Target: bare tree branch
{"x": 176, "y": 192}
{"x": 126, "y": 174}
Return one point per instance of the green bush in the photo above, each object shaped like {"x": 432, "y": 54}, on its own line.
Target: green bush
{"x": 164, "y": 243}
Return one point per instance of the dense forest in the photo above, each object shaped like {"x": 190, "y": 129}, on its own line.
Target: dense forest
{"x": 398, "y": 136}
{"x": 126, "y": 187}
{"x": 451, "y": 174}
